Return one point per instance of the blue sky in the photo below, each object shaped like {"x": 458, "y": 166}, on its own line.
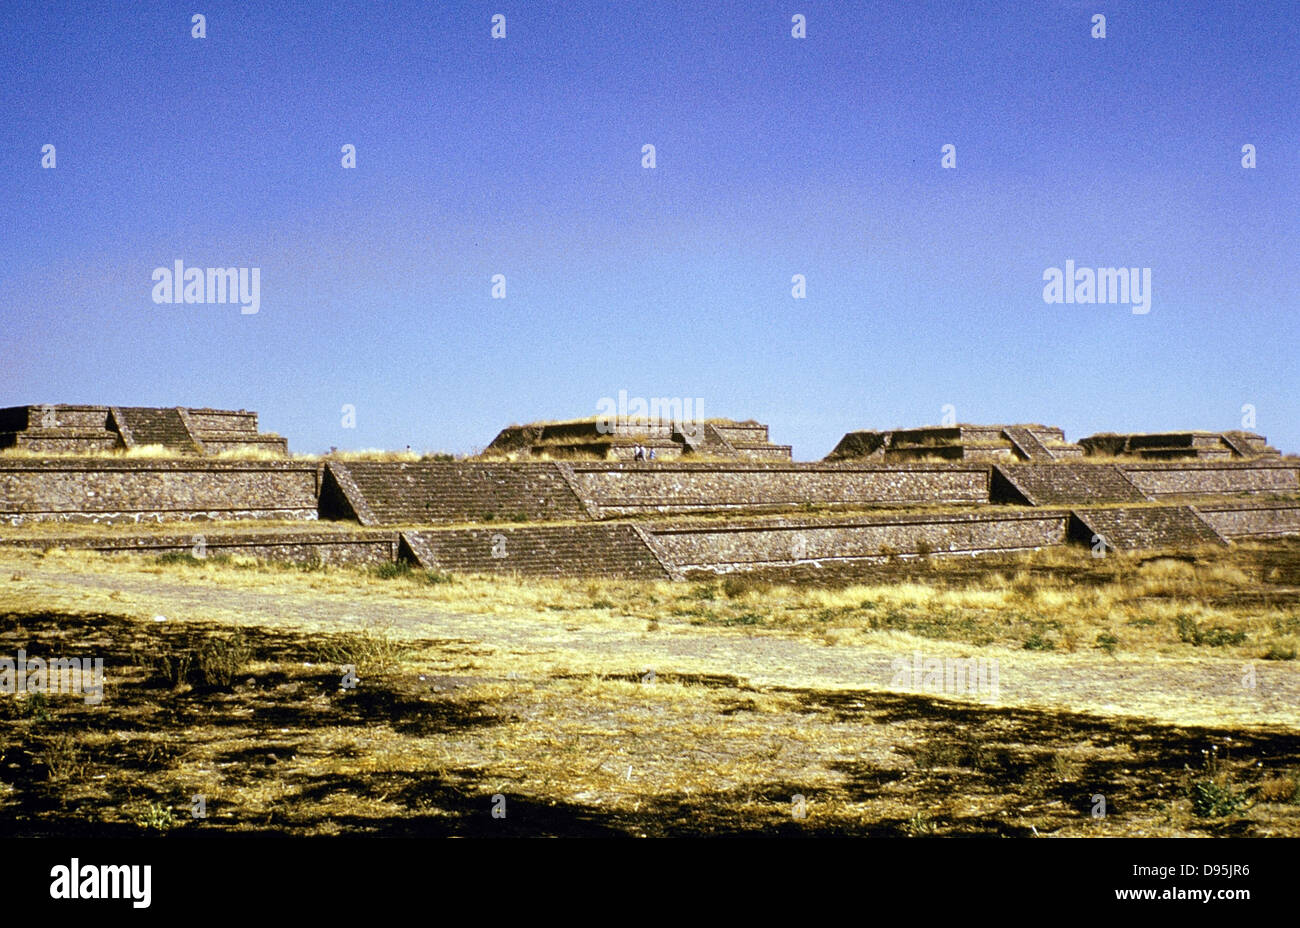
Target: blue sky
{"x": 775, "y": 156}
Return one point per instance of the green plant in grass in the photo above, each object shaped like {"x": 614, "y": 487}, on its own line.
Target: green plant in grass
{"x": 1036, "y": 642}
{"x": 1215, "y": 794}
{"x": 156, "y": 817}
{"x": 1215, "y": 636}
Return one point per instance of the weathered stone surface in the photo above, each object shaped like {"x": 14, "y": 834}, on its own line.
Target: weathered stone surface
{"x": 1192, "y": 479}
{"x": 331, "y": 548}
{"x": 658, "y": 551}
{"x": 61, "y": 428}
{"x": 959, "y": 443}
{"x": 1135, "y": 528}
{"x": 1253, "y": 520}
{"x": 584, "y": 438}
{"x": 1062, "y": 483}
{"x": 723, "y": 548}
{"x": 155, "y": 489}
{"x": 609, "y": 550}
{"x": 401, "y": 493}
{"x": 619, "y": 490}
{"x": 1205, "y": 446}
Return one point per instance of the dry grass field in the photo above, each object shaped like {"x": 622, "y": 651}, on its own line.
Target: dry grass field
{"x": 1134, "y": 695}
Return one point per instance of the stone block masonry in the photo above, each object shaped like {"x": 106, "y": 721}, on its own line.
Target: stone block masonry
{"x": 1136, "y": 528}
{"x": 59, "y": 429}
{"x": 1062, "y": 484}
{"x": 1030, "y": 442}
{"x": 606, "y": 550}
{"x": 615, "y": 439}
{"x": 327, "y": 548}
{"x": 1253, "y": 519}
{"x": 155, "y": 489}
{"x": 385, "y": 493}
{"x": 613, "y": 490}
{"x": 688, "y": 548}
{"x": 657, "y": 551}
{"x": 388, "y": 493}
{"x": 1160, "y": 481}
{"x": 1205, "y": 446}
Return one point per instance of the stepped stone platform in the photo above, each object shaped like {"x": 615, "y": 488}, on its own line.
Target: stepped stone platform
{"x": 958, "y": 443}
{"x": 80, "y": 429}
{"x": 383, "y": 493}
{"x": 1201, "y": 446}
{"x": 1127, "y": 529}
{"x": 617, "y": 440}
{"x": 676, "y": 549}
{"x": 1067, "y": 484}
{"x": 721, "y": 499}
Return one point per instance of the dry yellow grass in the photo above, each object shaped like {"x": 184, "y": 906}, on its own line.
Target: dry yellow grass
{"x": 1058, "y": 600}
{"x": 138, "y": 451}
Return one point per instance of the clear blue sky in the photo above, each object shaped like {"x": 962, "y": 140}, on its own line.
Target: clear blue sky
{"x": 775, "y": 157}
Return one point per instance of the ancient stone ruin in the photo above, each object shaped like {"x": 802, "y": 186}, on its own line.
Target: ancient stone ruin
{"x": 64, "y": 428}
{"x": 1169, "y": 446}
{"x": 617, "y": 440}
{"x": 959, "y": 443}
{"x": 701, "y": 508}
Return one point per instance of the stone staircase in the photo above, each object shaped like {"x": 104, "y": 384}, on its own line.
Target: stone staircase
{"x": 703, "y": 438}
{"x": 149, "y": 426}
{"x": 1027, "y": 444}
{"x": 400, "y": 493}
{"x": 1062, "y": 484}
{"x": 1129, "y": 529}
{"x": 618, "y": 551}
{"x": 1238, "y": 446}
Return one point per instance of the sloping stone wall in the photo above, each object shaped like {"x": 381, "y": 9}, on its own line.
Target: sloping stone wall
{"x": 620, "y": 490}
{"x": 1172, "y": 480}
{"x": 296, "y": 547}
{"x": 155, "y": 489}
{"x": 388, "y": 493}
{"x": 725, "y": 548}
{"x": 1253, "y": 520}
{"x": 609, "y": 550}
